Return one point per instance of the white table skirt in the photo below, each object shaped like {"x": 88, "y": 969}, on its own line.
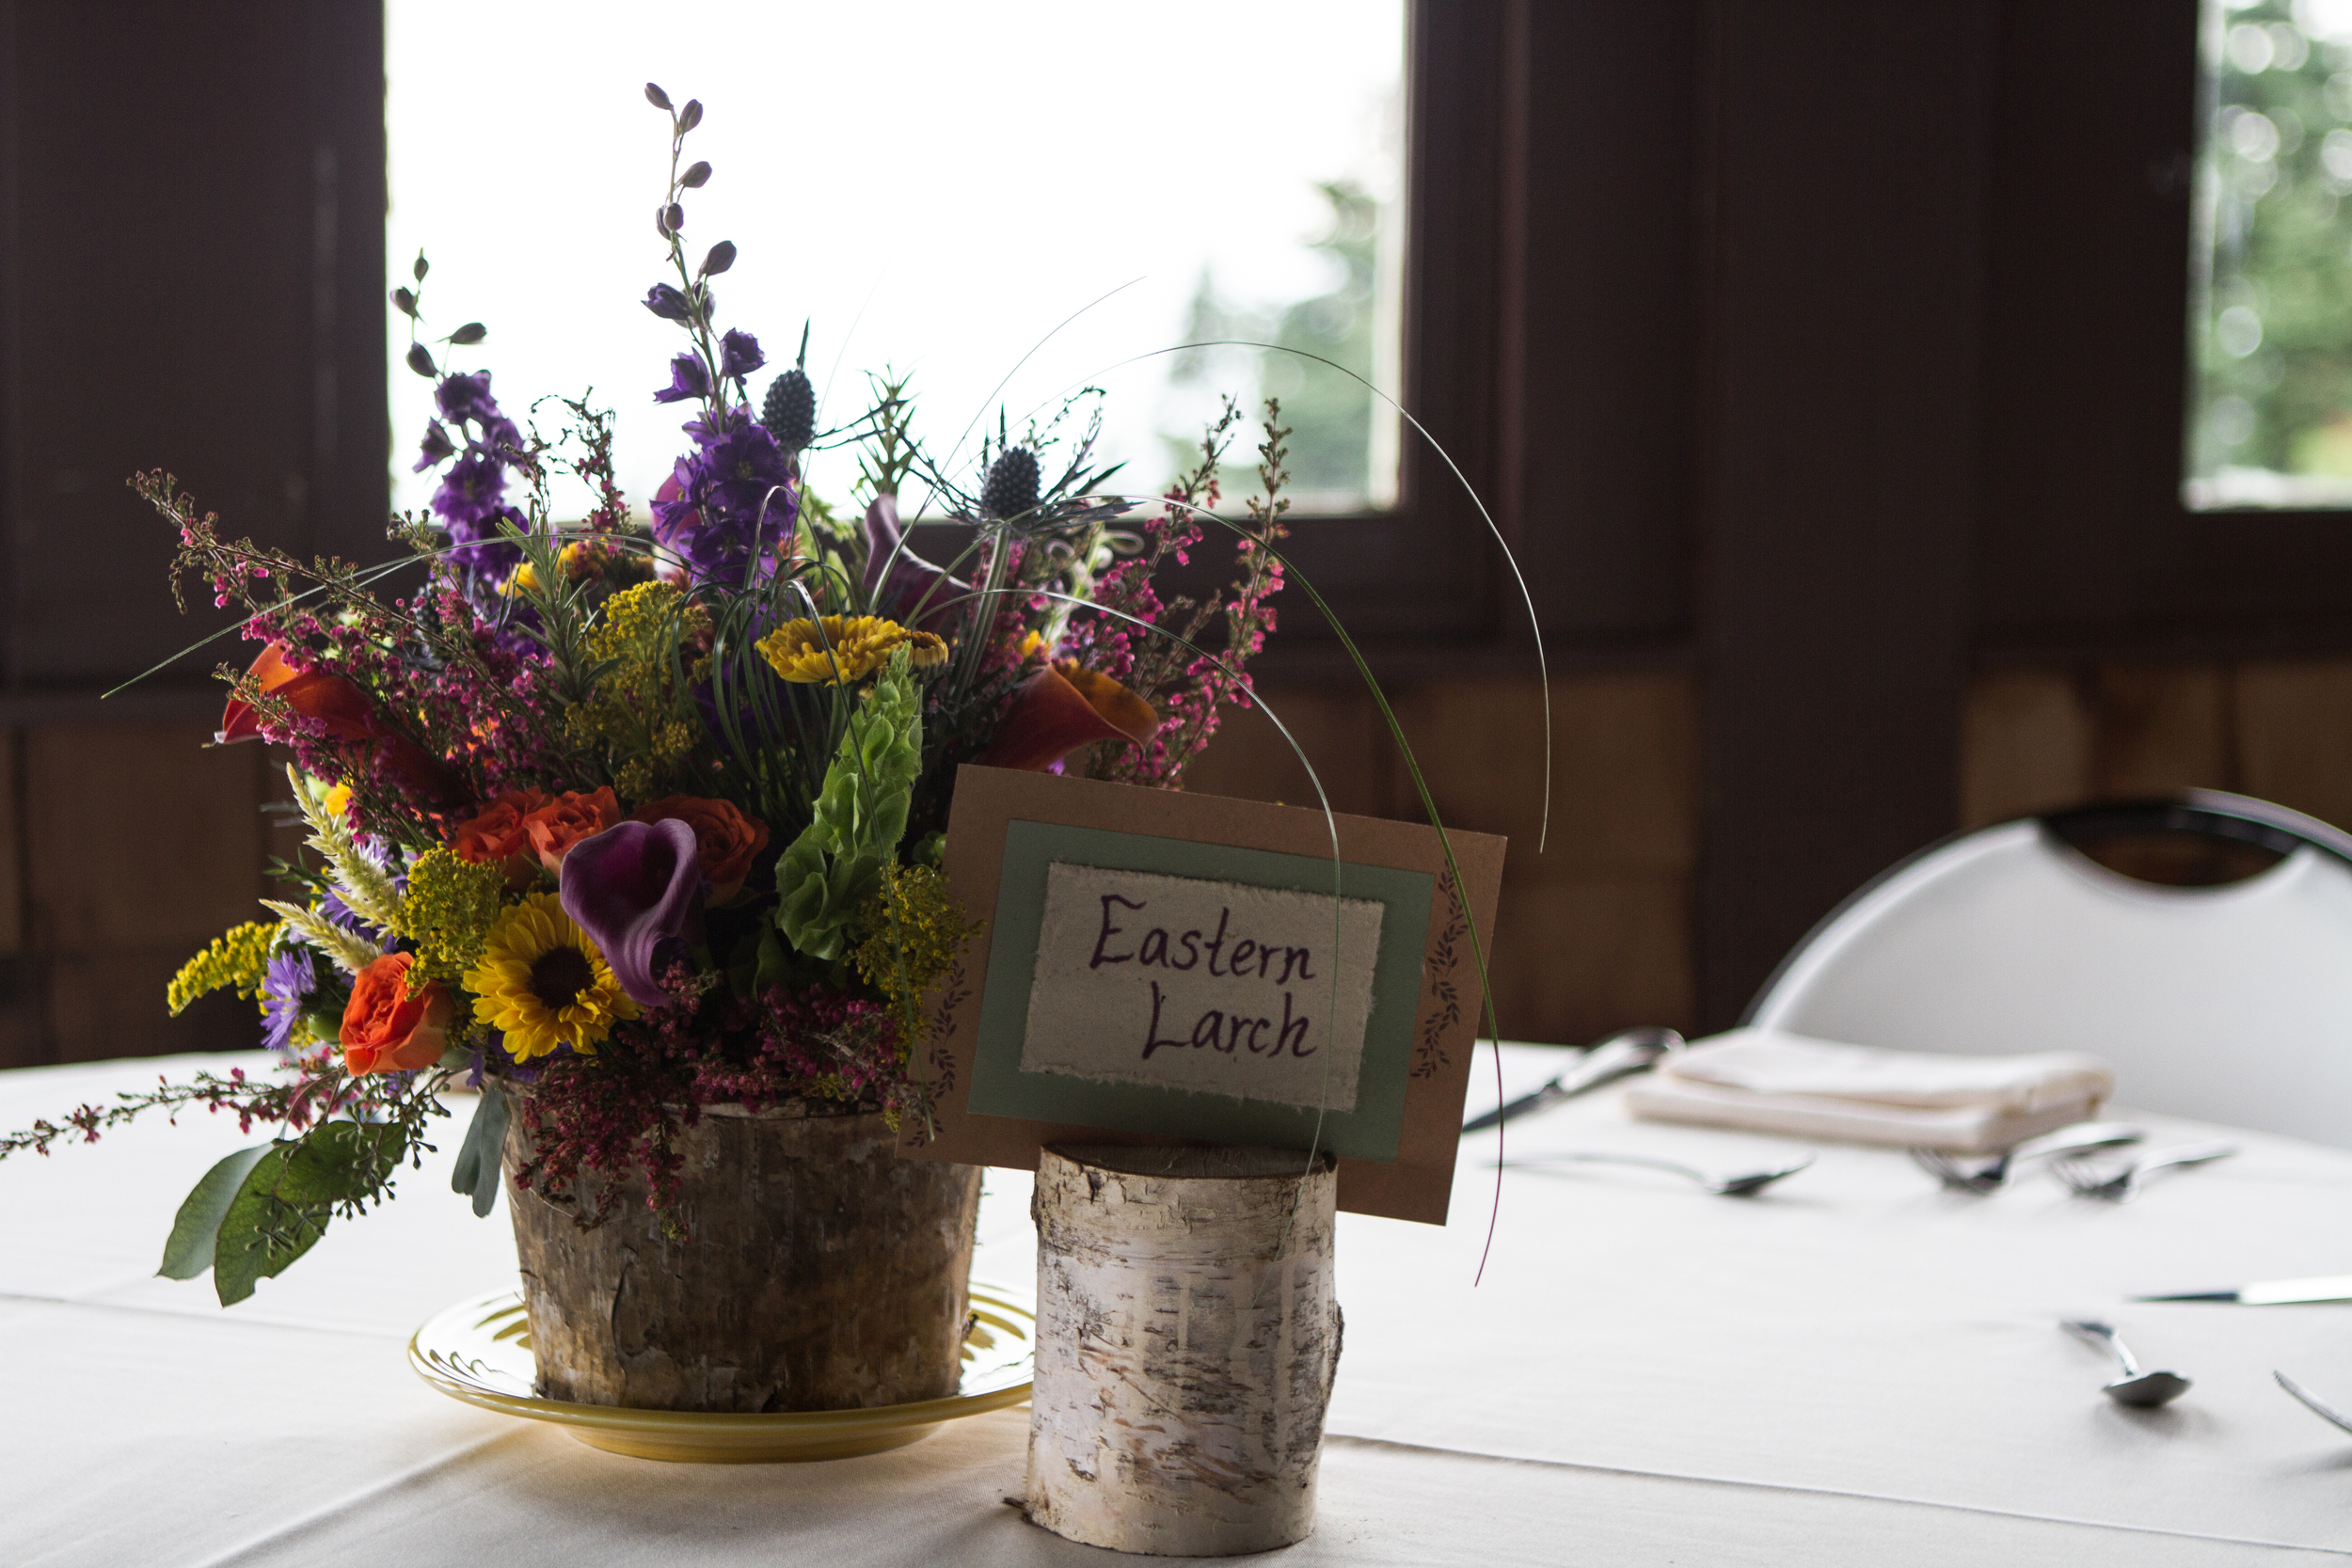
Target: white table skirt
{"x": 1855, "y": 1367}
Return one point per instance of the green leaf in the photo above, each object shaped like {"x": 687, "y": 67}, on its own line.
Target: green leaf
{"x": 477, "y": 1171}
{"x": 284, "y": 1204}
{"x": 827, "y": 873}
{"x": 194, "y": 1231}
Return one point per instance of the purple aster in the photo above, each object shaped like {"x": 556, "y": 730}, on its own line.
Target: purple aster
{"x": 688, "y": 379}
{"x": 288, "y": 982}
{"x": 738, "y": 355}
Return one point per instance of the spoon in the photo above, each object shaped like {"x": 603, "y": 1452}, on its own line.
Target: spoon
{"x": 1628, "y": 1051}
{"x": 1721, "y": 1186}
{"x": 1990, "y": 1175}
{"x": 2144, "y": 1391}
{"x": 2312, "y": 1400}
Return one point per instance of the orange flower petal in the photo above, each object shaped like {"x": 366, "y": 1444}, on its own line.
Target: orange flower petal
{"x": 1061, "y": 708}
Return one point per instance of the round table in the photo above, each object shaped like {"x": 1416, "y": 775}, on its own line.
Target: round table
{"x": 1854, "y": 1366}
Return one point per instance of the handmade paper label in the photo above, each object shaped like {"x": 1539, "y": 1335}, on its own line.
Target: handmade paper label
{"x": 1219, "y": 988}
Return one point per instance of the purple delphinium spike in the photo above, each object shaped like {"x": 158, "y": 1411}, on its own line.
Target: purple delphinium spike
{"x": 688, "y": 379}
{"x": 739, "y": 354}
{"x": 636, "y": 890}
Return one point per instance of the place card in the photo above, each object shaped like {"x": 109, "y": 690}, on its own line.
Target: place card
{"x": 1158, "y": 967}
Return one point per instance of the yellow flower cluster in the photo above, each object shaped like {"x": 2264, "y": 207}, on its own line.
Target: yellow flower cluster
{"x": 451, "y": 907}
{"x": 541, "y": 983}
{"x": 633, "y": 712}
{"x": 238, "y": 957}
{"x": 842, "y": 649}
{"x": 915, "y": 931}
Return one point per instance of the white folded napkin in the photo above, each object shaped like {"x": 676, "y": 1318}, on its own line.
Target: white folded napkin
{"x": 1771, "y": 1082}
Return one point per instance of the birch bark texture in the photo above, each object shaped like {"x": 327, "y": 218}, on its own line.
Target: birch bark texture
{"x": 1187, "y": 1336}
{"x": 817, "y": 1272}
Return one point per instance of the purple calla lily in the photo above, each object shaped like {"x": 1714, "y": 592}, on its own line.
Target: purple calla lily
{"x": 897, "y": 579}
{"x": 636, "y": 889}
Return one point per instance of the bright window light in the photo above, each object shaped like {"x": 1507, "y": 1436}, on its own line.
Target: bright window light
{"x": 1013, "y": 203}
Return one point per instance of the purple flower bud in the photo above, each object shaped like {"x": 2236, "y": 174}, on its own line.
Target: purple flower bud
{"x": 636, "y": 889}
{"x": 667, "y": 303}
{"x": 438, "y": 446}
{"x": 688, "y": 379}
{"x": 738, "y": 355}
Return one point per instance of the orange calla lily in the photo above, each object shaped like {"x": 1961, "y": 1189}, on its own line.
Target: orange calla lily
{"x": 336, "y": 703}
{"x": 1061, "y": 708}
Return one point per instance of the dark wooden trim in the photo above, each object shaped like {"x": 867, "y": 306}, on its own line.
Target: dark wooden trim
{"x": 1847, "y": 169}
{"x": 2084, "y": 541}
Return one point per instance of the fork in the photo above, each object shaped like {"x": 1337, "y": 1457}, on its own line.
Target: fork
{"x": 1988, "y": 1175}
{"x": 1742, "y": 1185}
{"x": 2084, "y": 1179}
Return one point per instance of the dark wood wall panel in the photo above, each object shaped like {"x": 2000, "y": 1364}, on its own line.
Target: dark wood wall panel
{"x": 1848, "y": 155}
{"x": 1600, "y": 330}
{"x": 196, "y": 284}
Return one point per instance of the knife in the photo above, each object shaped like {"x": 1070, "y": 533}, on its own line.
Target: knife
{"x": 2272, "y": 1292}
{"x": 1634, "y": 1051}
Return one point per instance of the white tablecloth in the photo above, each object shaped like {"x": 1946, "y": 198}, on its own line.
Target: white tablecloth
{"x": 1855, "y": 1367}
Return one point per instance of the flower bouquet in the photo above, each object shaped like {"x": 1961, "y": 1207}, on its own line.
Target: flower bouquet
{"x": 634, "y": 828}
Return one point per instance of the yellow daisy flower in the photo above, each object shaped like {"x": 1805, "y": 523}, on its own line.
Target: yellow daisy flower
{"x": 541, "y": 983}
{"x": 847, "y": 648}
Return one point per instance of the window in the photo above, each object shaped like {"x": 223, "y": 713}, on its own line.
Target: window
{"x": 2271, "y": 328}
{"x": 1008, "y": 207}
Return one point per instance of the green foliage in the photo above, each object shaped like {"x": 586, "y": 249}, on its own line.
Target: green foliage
{"x": 828, "y": 872}
{"x": 2272, "y": 340}
{"x": 476, "y": 1173}
{"x": 258, "y": 1210}
{"x": 197, "y": 1227}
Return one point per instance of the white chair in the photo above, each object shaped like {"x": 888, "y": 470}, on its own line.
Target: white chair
{"x": 2229, "y": 1004}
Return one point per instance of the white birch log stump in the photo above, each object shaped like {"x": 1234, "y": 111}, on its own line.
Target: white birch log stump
{"x": 1187, "y": 1336}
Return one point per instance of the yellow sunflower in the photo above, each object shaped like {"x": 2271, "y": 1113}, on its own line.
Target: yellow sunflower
{"x": 844, "y": 648}
{"x": 541, "y": 983}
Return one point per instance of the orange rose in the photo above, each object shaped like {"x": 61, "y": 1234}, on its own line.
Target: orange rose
{"x": 387, "y": 1029}
{"x": 726, "y": 840}
{"x": 495, "y": 835}
{"x": 555, "y": 827}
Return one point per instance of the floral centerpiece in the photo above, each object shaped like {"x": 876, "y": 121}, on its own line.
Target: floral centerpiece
{"x": 634, "y": 824}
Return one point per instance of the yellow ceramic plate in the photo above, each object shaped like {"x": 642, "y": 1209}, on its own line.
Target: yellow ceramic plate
{"x": 479, "y": 1351}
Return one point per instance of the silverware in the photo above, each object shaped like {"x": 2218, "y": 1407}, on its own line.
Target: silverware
{"x": 1628, "y": 1051}
{"x": 2084, "y": 1179}
{"x": 1721, "y": 1186}
{"x": 1978, "y": 1175}
{"x": 2271, "y": 1292}
{"x": 2312, "y": 1402}
{"x": 2145, "y": 1390}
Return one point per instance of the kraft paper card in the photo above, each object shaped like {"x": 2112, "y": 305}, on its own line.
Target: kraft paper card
{"x": 1163, "y": 967}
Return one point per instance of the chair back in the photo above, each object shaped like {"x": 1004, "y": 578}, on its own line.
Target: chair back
{"x": 2231, "y": 1003}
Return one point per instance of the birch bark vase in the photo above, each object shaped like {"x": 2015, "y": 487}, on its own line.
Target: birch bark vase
{"x": 820, "y": 1271}
{"x": 1187, "y": 1336}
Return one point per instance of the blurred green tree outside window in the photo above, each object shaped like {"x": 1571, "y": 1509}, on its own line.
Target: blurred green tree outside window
{"x": 2270, "y": 324}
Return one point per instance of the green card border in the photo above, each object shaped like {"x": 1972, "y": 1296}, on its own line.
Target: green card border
{"x": 1000, "y": 1088}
